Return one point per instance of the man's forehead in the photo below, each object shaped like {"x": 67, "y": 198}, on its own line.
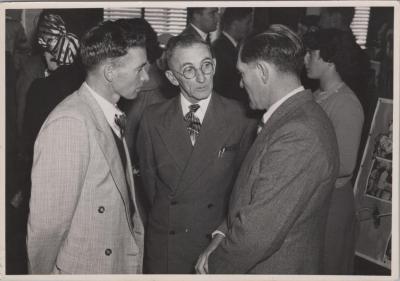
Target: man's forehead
{"x": 191, "y": 54}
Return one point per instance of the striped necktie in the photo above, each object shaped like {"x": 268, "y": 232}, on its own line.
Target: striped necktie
{"x": 194, "y": 124}
{"x": 120, "y": 120}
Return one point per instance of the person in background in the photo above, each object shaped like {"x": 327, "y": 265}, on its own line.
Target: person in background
{"x": 235, "y": 25}
{"x": 84, "y": 217}
{"x": 60, "y": 52}
{"x": 190, "y": 149}
{"x": 331, "y": 55}
{"x": 306, "y": 24}
{"x": 279, "y": 203}
{"x": 201, "y": 21}
{"x": 341, "y": 18}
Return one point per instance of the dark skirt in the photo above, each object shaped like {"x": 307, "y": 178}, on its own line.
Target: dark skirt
{"x": 340, "y": 236}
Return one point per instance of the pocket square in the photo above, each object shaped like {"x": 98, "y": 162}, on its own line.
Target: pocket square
{"x": 228, "y": 148}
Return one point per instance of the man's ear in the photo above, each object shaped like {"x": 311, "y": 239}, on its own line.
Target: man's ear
{"x": 263, "y": 71}
{"x": 108, "y": 71}
{"x": 171, "y": 77}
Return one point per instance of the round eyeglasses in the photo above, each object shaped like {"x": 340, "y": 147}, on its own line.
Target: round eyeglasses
{"x": 190, "y": 72}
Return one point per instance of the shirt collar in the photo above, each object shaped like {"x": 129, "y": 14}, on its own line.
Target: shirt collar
{"x": 234, "y": 42}
{"x": 201, "y": 112}
{"x": 267, "y": 115}
{"x": 201, "y": 32}
{"x": 109, "y": 109}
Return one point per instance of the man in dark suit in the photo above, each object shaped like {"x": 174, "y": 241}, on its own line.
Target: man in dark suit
{"x": 235, "y": 24}
{"x": 202, "y": 21}
{"x": 279, "y": 203}
{"x": 190, "y": 148}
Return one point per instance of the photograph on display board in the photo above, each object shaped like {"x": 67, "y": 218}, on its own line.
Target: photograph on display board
{"x": 379, "y": 184}
{"x": 373, "y": 189}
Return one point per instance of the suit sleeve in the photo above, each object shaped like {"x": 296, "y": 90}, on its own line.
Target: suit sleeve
{"x": 61, "y": 158}
{"x": 146, "y": 159}
{"x": 285, "y": 182}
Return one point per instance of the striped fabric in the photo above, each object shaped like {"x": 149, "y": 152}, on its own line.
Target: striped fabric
{"x": 55, "y": 39}
{"x": 194, "y": 124}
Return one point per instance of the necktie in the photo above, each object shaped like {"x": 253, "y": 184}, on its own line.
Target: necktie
{"x": 208, "y": 39}
{"x": 194, "y": 124}
{"x": 120, "y": 120}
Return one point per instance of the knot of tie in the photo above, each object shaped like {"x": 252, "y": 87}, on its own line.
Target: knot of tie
{"x": 194, "y": 107}
{"x": 120, "y": 120}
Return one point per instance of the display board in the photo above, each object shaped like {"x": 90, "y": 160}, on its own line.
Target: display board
{"x": 373, "y": 189}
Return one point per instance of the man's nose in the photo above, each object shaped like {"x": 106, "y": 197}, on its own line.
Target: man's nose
{"x": 200, "y": 77}
{"x": 145, "y": 76}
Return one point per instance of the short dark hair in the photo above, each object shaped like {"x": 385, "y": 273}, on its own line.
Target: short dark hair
{"x": 140, "y": 25}
{"x": 336, "y": 46}
{"x": 185, "y": 40}
{"x": 346, "y": 13}
{"x": 278, "y": 45}
{"x": 192, "y": 11}
{"x": 232, "y": 14}
{"x": 108, "y": 40}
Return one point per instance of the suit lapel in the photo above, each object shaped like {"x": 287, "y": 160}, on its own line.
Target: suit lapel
{"x": 174, "y": 134}
{"x": 109, "y": 148}
{"x": 214, "y": 131}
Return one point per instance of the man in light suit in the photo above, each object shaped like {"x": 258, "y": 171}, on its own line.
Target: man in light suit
{"x": 84, "y": 218}
{"x": 279, "y": 203}
{"x": 190, "y": 148}
{"x": 202, "y": 21}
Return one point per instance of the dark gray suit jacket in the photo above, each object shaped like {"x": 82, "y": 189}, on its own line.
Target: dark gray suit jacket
{"x": 188, "y": 187}
{"x": 279, "y": 203}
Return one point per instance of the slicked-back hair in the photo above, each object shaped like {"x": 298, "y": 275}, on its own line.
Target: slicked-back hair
{"x": 108, "y": 40}
{"x": 232, "y": 14}
{"x": 180, "y": 41}
{"x": 278, "y": 45}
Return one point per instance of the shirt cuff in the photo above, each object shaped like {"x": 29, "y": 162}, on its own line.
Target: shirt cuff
{"x": 217, "y": 232}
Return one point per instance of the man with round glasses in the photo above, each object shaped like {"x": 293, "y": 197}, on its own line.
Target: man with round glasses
{"x": 190, "y": 149}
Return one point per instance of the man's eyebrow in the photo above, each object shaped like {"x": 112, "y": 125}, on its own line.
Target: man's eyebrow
{"x": 142, "y": 65}
{"x": 191, "y": 64}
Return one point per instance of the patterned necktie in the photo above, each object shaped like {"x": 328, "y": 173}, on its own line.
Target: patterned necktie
{"x": 194, "y": 124}
{"x": 120, "y": 120}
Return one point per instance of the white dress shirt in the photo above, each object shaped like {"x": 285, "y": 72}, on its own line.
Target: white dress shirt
{"x": 109, "y": 109}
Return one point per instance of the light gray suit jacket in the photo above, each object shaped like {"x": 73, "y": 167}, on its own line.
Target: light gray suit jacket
{"x": 79, "y": 221}
{"x": 279, "y": 203}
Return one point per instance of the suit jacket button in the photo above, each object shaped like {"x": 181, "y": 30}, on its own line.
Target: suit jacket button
{"x": 172, "y": 232}
{"x": 174, "y": 202}
{"x": 187, "y": 230}
{"x": 101, "y": 209}
{"x": 210, "y": 205}
{"x": 108, "y": 252}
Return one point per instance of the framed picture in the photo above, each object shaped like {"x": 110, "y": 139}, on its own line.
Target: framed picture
{"x": 373, "y": 189}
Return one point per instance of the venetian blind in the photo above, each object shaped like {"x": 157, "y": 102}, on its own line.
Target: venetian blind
{"x": 118, "y": 13}
{"x": 163, "y": 20}
{"x": 166, "y": 20}
{"x": 360, "y": 25}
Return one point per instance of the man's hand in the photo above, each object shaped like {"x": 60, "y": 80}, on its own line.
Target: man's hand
{"x": 202, "y": 263}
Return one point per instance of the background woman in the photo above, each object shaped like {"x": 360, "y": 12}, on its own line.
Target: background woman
{"x": 331, "y": 56}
